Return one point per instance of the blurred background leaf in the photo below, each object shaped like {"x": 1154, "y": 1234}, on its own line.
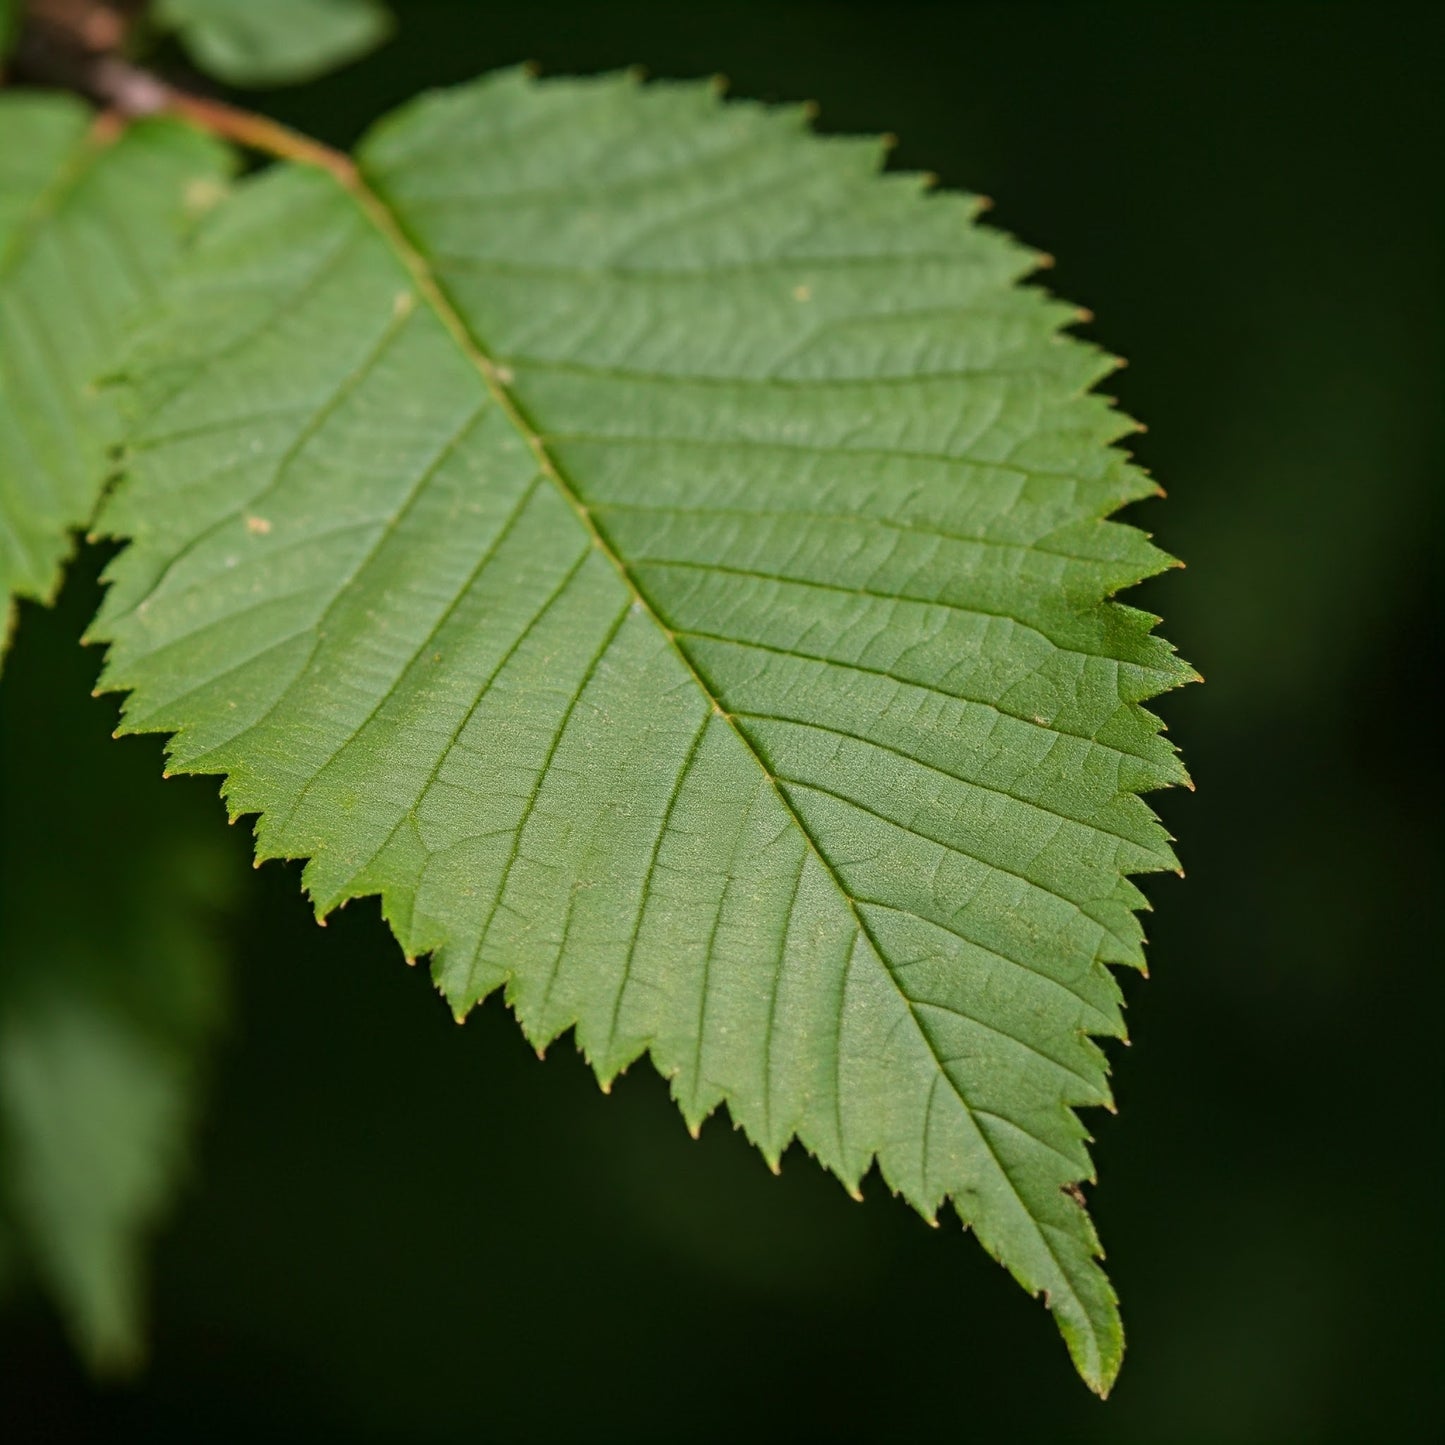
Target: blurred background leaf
{"x": 275, "y": 42}
{"x": 111, "y": 893}
{"x": 111, "y": 210}
{"x": 406, "y": 1231}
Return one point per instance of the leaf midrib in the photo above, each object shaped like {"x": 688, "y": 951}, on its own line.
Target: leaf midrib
{"x": 408, "y": 252}
{"x": 393, "y": 230}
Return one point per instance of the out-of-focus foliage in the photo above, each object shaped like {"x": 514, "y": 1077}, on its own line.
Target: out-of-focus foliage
{"x": 90, "y": 223}
{"x": 110, "y": 992}
{"x": 275, "y": 42}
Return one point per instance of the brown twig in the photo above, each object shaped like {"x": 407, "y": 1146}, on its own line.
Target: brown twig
{"x": 256, "y": 132}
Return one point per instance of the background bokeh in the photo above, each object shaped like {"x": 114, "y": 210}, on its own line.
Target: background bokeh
{"x": 398, "y": 1230}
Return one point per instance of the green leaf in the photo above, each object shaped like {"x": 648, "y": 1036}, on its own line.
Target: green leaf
{"x": 110, "y": 994}
{"x": 88, "y": 226}
{"x": 665, "y": 560}
{"x": 93, "y": 1110}
{"x": 9, "y": 25}
{"x": 275, "y": 42}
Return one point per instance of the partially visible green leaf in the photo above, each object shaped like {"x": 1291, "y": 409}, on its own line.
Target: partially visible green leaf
{"x": 667, "y": 561}
{"x": 88, "y": 225}
{"x": 93, "y": 1110}
{"x": 275, "y": 42}
{"x": 111, "y": 990}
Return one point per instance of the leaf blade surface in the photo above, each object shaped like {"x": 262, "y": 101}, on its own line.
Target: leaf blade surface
{"x": 668, "y": 563}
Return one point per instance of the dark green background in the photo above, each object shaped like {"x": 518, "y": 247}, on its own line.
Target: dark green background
{"x": 399, "y": 1230}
